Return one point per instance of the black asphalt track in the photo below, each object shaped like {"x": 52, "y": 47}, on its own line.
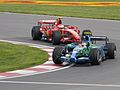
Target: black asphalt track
{"x": 17, "y": 27}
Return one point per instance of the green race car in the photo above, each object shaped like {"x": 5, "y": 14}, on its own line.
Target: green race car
{"x": 89, "y": 51}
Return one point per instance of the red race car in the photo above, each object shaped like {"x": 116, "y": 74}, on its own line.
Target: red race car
{"x": 55, "y": 32}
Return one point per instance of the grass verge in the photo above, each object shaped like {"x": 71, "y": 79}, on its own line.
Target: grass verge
{"x": 13, "y": 57}
{"x": 83, "y": 0}
{"x": 112, "y": 12}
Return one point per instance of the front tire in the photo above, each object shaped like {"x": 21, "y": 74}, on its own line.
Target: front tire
{"x": 95, "y": 56}
{"x": 57, "y": 54}
{"x": 36, "y": 34}
{"x": 56, "y": 36}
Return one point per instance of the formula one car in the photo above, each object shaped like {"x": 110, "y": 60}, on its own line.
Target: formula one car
{"x": 56, "y": 33}
{"x": 93, "y": 50}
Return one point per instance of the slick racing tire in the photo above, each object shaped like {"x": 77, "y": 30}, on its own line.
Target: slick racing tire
{"x": 56, "y": 36}
{"x": 95, "y": 56}
{"x": 56, "y": 55}
{"x": 86, "y": 32}
{"x": 36, "y": 34}
{"x": 111, "y": 50}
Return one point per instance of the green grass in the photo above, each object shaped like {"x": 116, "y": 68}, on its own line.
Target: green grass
{"x": 14, "y": 57}
{"x": 74, "y": 11}
{"x": 83, "y": 0}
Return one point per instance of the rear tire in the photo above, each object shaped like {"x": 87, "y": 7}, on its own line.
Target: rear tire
{"x": 86, "y": 32}
{"x": 56, "y": 55}
{"x": 111, "y": 50}
{"x": 36, "y": 34}
{"x": 56, "y": 36}
{"x": 95, "y": 57}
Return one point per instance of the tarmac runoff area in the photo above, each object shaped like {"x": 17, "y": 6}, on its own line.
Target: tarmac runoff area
{"x": 60, "y": 3}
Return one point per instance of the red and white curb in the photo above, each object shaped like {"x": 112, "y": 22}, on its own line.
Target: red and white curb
{"x": 48, "y": 66}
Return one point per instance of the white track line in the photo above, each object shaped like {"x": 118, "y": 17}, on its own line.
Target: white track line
{"x": 23, "y": 71}
{"x": 65, "y": 84}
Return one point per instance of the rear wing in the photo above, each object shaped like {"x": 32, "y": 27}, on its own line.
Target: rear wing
{"x": 46, "y": 22}
{"x": 99, "y": 38}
